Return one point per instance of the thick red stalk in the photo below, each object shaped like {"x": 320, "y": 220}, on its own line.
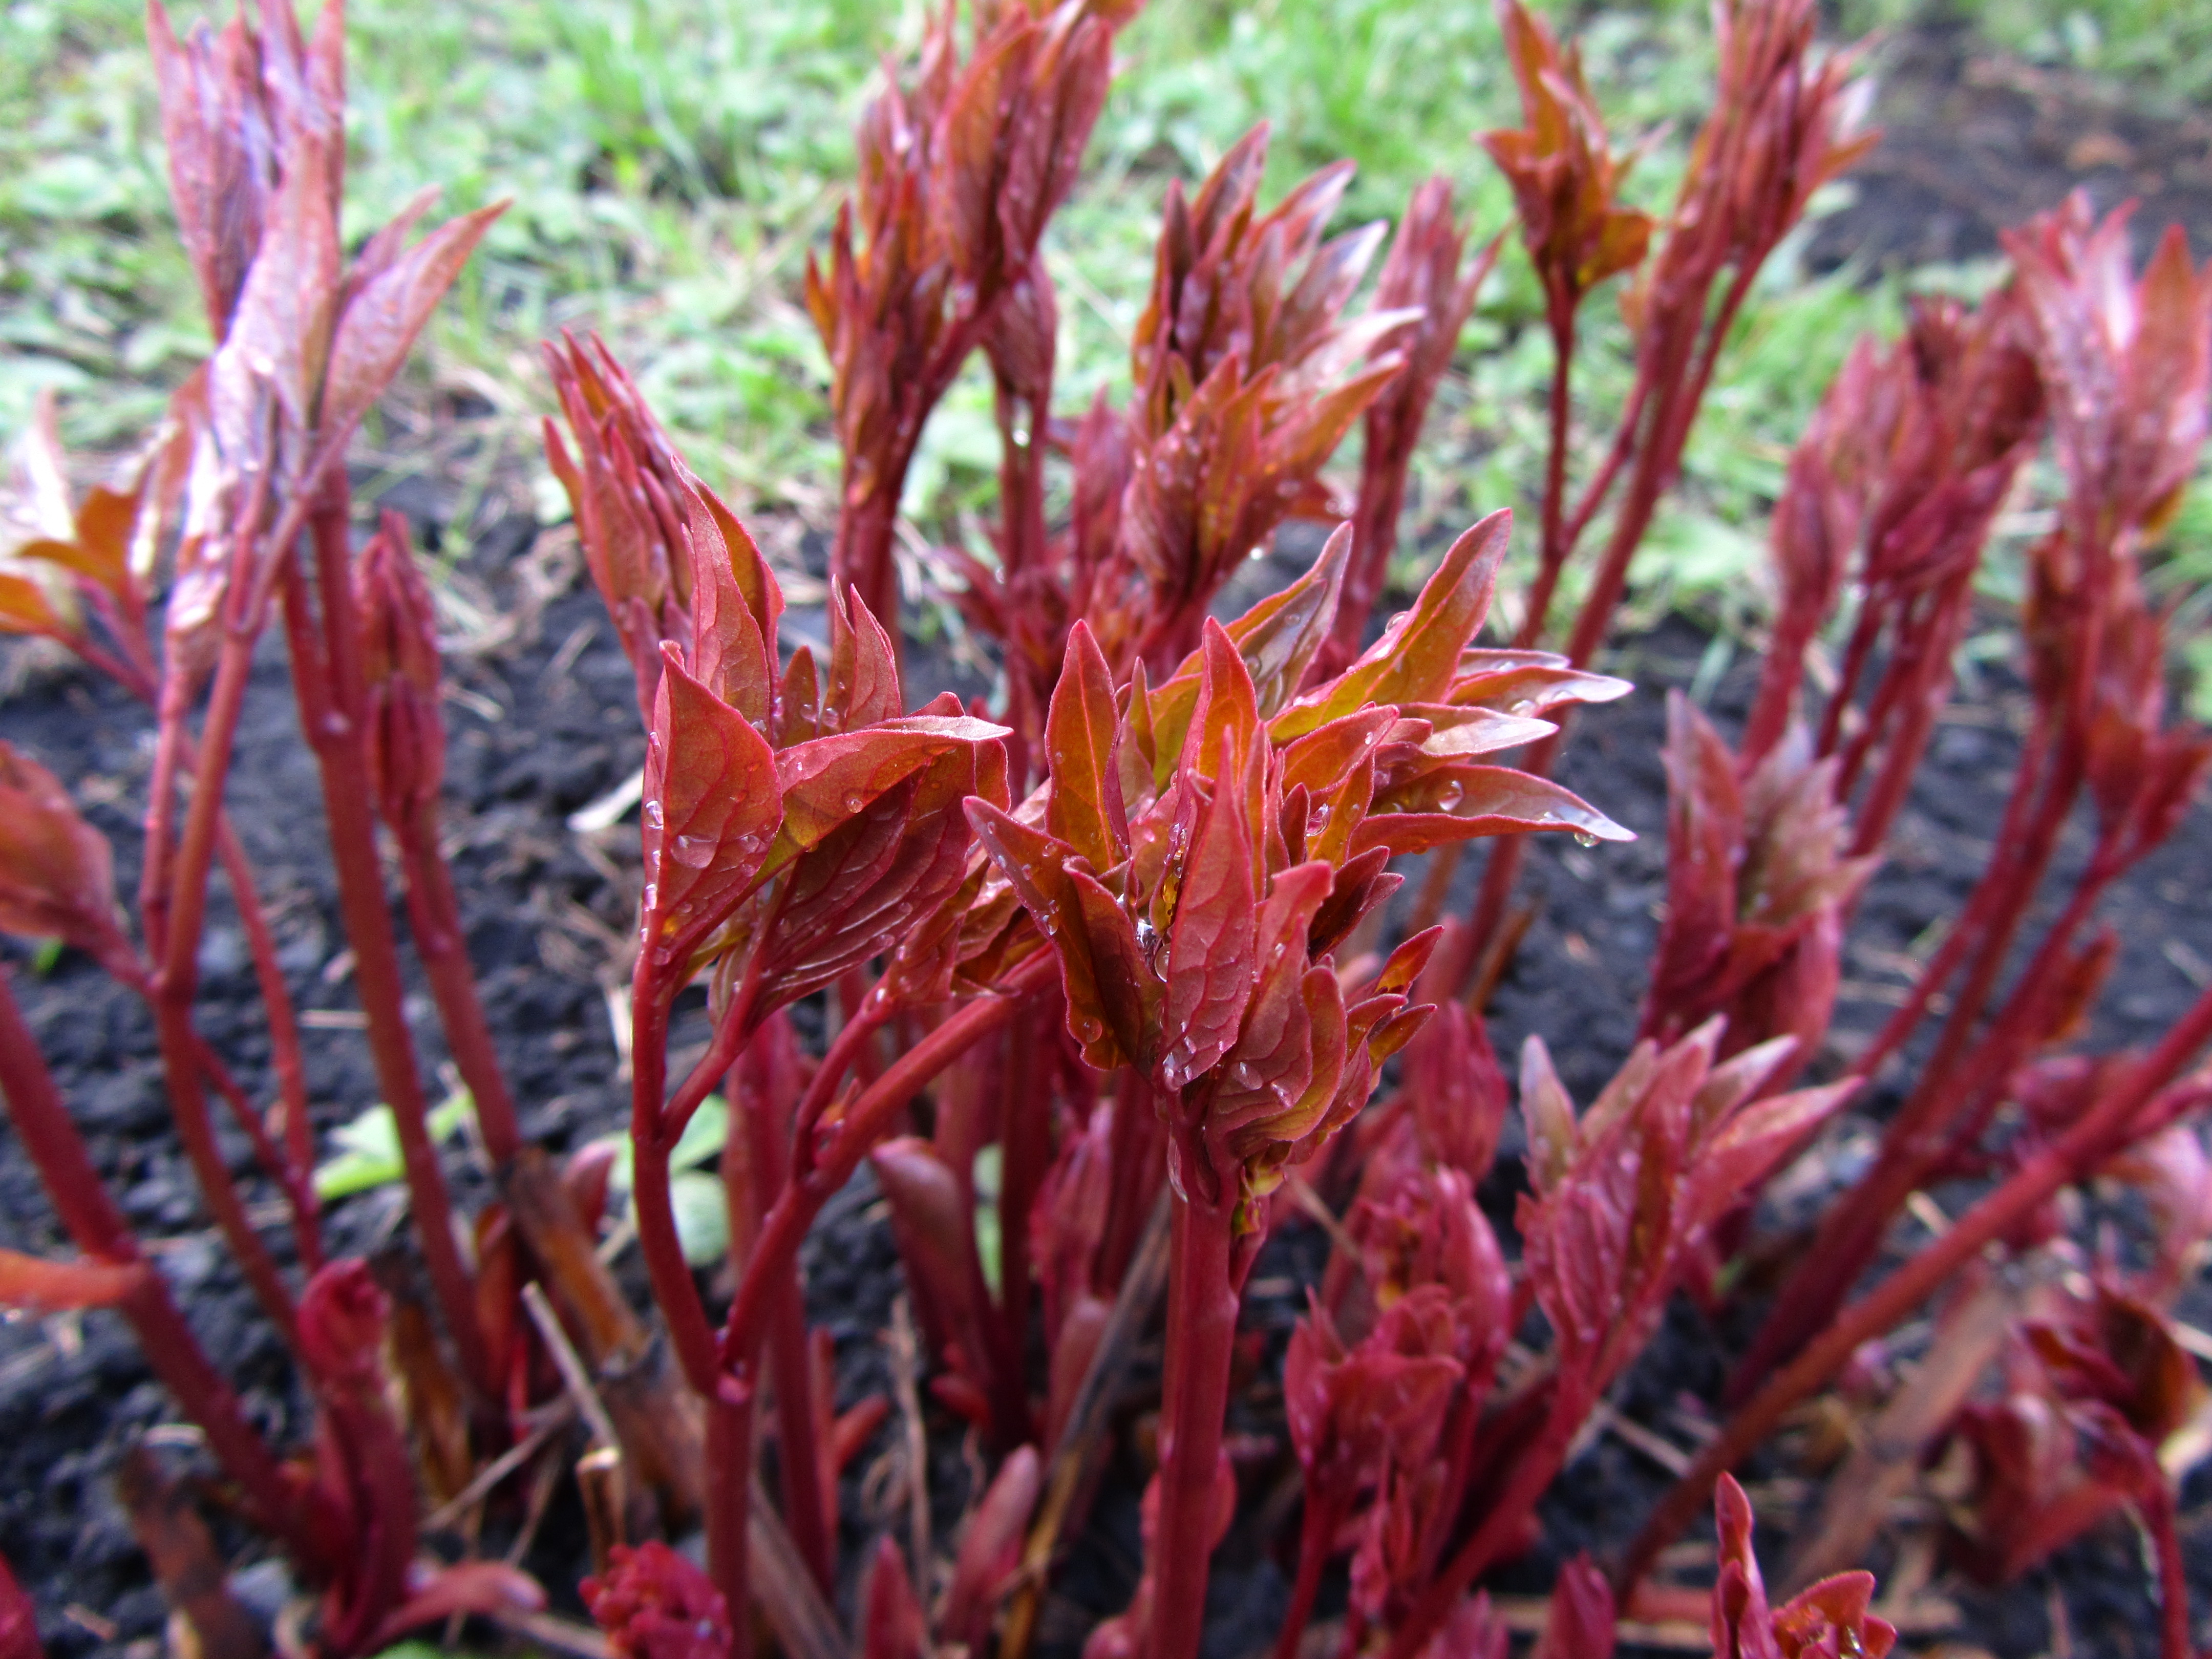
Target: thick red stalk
{"x": 1021, "y": 474}
{"x": 729, "y": 1510}
{"x": 1136, "y": 1167}
{"x": 799, "y": 1462}
{"x": 2094, "y": 1139}
{"x": 724, "y": 1377}
{"x": 1201, "y": 1326}
{"x": 96, "y": 1227}
{"x": 1027, "y": 1142}
{"x": 652, "y": 1140}
{"x": 861, "y": 556}
{"x": 328, "y": 685}
{"x": 434, "y": 915}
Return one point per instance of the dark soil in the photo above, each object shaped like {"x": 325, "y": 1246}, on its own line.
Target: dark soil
{"x": 1974, "y": 141}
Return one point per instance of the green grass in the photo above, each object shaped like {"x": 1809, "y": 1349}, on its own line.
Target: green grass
{"x": 671, "y": 161}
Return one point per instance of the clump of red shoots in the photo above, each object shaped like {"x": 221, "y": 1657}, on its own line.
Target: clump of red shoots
{"x": 1112, "y": 981}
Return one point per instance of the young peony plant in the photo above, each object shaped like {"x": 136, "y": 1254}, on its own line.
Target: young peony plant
{"x": 1199, "y": 856}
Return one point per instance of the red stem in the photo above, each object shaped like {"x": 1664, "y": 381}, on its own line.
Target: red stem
{"x": 724, "y": 1376}
{"x": 866, "y": 1122}
{"x": 1027, "y": 1134}
{"x": 800, "y": 1462}
{"x": 327, "y": 684}
{"x": 434, "y": 915}
{"x": 1919, "y": 1140}
{"x": 95, "y": 1226}
{"x": 2100, "y": 1132}
{"x": 1135, "y": 1167}
{"x": 285, "y": 1058}
{"x": 2156, "y": 1504}
{"x": 1316, "y": 1534}
{"x": 1021, "y": 473}
{"x": 298, "y": 1184}
{"x": 729, "y": 1509}
{"x": 1553, "y": 551}
{"x": 652, "y": 1139}
{"x": 1201, "y": 1325}
{"x": 177, "y": 978}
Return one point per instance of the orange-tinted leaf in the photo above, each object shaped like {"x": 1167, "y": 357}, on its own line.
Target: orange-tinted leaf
{"x": 32, "y": 1284}
{"x": 56, "y": 878}
{"x": 24, "y": 609}
{"x": 1419, "y": 653}
{"x": 1084, "y": 808}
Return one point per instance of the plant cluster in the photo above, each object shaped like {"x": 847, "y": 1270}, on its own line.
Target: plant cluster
{"x": 1128, "y": 930}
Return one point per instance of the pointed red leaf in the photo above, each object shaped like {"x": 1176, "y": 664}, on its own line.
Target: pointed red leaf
{"x": 713, "y": 810}
{"x": 380, "y": 323}
{"x": 1084, "y": 808}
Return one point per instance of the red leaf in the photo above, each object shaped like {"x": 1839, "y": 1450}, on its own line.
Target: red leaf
{"x": 381, "y": 320}
{"x": 891, "y": 1623}
{"x": 1210, "y": 966}
{"x": 990, "y": 1550}
{"x": 1459, "y": 803}
{"x": 1579, "y": 1624}
{"x": 1415, "y": 659}
{"x": 31, "y": 1285}
{"x": 19, "y": 1620}
{"x": 57, "y": 880}
{"x": 933, "y": 1223}
{"x": 712, "y": 810}
{"x": 490, "y": 1588}
{"x": 831, "y": 780}
{"x": 864, "y": 682}
{"x": 734, "y": 603}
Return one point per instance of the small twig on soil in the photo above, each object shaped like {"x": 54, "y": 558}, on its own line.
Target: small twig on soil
{"x": 497, "y": 1470}
{"x": 904, "y": 1348}
{"x": 573, "y": 1374}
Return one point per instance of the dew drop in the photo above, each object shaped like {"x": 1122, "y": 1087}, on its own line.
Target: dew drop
{"x": 653, "y": 814}
{"x": 854, "y": 803}
{"x": 1522, "y": 706}
{"x": 693, "y": 852}
{"x": 651, "y": 894}
{"x": 1449, "y": 796}
{"x": 1585, "y": 838}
